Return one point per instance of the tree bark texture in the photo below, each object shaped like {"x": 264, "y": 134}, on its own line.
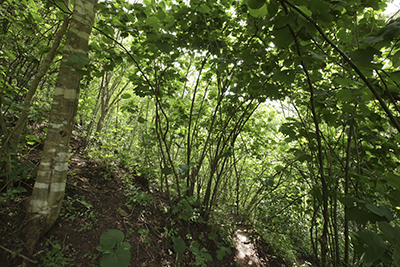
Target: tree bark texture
{"x": 45, "y": 202}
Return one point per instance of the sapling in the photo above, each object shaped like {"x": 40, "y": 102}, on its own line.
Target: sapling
{"x": 116, "y": 252}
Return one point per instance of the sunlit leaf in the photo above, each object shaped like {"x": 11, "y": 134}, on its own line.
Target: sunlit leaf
{"x": 255, "y": 4}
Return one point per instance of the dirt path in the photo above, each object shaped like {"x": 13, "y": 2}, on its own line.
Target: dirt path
{"x": 247, "y": 254}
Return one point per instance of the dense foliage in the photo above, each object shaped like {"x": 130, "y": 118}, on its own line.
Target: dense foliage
{"x": 283, "y": 114}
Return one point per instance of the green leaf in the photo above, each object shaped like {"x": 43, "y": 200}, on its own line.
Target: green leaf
{"x": 393, "y": 180}
{"x": 283, "y": 37}
{"x": 141, "y": 119}
{"x": 222, "y": 252}
{"x": 386, "y": 34}
{"x": 344, "y": 36}
{"x": 349, "y": 201}
{"x": 285, "y": 76}
{"x": 123, "y": 255}
{"x": 345, "y": 95}
{"x": 179, "y": 245}
{"x": 61, "y": 4}
{"x": 166, "y": 170}
{"x": 305, "y": 10}
{"x": 207, "y": 256}
{"x": 364, "y": 55}
{"x": 255, "y": 4}
{"x": 380, "y": 211}
{"x": 362, "y": 216}
{"x": 374, "y": 247}
{"x": 109, "y": 239}
{"x": 390, "y": 231}
{"x": 161, "y": 14}
{"x": 126, "y": 96}
{"x": 317, "y": 56}
{"x": 261, "y": 12}
{"x": 204, "y": 9}
{"x": 108, "y": 260}
{"x": 305, "y": 157}
{"x": 153, "y": 22}
{"x": 396, "y": 255}
{"x": 396, "y": 59}
{"x": 164, "y": 47}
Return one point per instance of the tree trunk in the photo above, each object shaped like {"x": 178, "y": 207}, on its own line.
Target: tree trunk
{"x": 45, "y": 202}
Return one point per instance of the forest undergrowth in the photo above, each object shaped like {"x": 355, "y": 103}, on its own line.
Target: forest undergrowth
{"x": 99, "y": 198}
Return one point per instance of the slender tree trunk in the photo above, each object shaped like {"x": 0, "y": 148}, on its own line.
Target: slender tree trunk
{"x": 45, "y": 202}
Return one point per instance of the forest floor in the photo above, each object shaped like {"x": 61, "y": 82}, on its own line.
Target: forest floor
{"x": 96, "y": 200}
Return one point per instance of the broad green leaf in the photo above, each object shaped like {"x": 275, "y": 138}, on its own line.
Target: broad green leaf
{"x": 261, "y": 12}
{"x": 141, "y": 119}
{"x": 380, "y": 211}
{"x": 386, "y": 229}
{"x": 396, "y": 59}
{"x": 364, "y": 55}
{"x": 222, "y": 252}
{"x": 109, "y": 239}
{"x": 166, "y": 170}
{"x": 272, "y": 8}
{"x": 393, "y": 180}
{"x": 341, "y": 81}
{"x": 61, "y": 4}
{"x": 126, "y": 95}
{"x": 123, "y": 255}
{"x": 161, "y": 14}
{"x": 396, "y": 254}
{"x": 305, "y": 10}
{"x": 164, "y": 47}
{"x": 305, "y": 157}
{"x": 78, "y": 58}
{"x": 362, "y": 216}
{"x": 390, "y": 231}
{"x": 179, "y": 245}
{"x": 344, "y": 35}
{"x": 153, "y": 22}
{"x": 349, "y": 201}
{"x": 345, "y": 95}
{"x": 285, "y": 76}
{"x": 283, "y": 37}
{"x": 204, "y": 9}
{"x": 317, "y": 56}
{"x": 109, "y": 260}
{"x": 255, "y": 4}
{"x": 374, "y": 247}
{"x": 206, "y": 256}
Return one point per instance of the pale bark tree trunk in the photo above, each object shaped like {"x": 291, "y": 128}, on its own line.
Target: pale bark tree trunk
{"x": 45, "y": 202}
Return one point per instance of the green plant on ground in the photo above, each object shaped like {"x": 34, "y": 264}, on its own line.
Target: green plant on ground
{"x": 222, "y": 251}
{"x": 144, "y": 235}
{"x": 12, "y": 193}
{"x": 55, "y": 257}
{"x": 179, "y": 247}
{"x": 133, "y": 196}
{"x": 70, "y": 212}
{"x": 201, "y": 254}
{"x": 185, "y": 210}
{"x": 116, "y": 252}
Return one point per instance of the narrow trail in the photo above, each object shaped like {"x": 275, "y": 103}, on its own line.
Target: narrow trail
{"x": 247, "y": 250}
{"x": 247, "y": 254}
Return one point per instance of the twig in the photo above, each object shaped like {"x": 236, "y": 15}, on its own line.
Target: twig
{"x": 18, "y": 254}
